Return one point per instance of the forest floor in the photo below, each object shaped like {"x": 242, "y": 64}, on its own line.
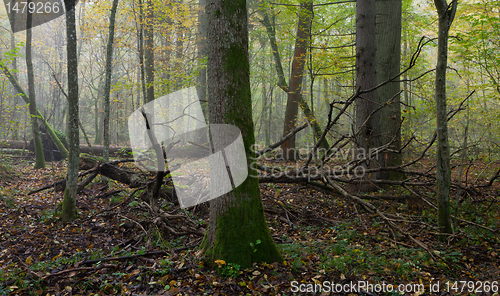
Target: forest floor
{"x": 325, "y": 239}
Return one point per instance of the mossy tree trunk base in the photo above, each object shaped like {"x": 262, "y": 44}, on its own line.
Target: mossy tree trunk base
{"x": 237, "y": 231}
{"x": 68, "y": 212}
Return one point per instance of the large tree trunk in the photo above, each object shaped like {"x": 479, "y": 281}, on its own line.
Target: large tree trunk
{"x": 365, "y": 73}
{"x": 237, "y": 220}
{"x": 39, "y": 157}
{"x": 388, "y": 55}
{"x": 107, "y": 84}
{"x": 366, "y": 118}
{"x": 297, "y": 73}
{"x": 443, "y": 174}
{"x": 68, "y": 212}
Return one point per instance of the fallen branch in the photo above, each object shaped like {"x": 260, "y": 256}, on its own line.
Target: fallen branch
{"x": 28, "y": 268}
{"x": 125, "y": 258}
{"x": 372, "y": 209}
{"x": 78, "y": 269}
{"x": 283, "y": 140}
{"x": 132, "y": 179}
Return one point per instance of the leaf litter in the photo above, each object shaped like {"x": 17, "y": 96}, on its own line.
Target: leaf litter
{"x": 110, "y": 250}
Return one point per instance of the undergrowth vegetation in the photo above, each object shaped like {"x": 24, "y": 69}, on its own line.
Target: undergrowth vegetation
{"x": 111, "y": 249}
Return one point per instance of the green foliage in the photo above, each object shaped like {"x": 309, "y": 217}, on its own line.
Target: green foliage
{"x": 230, "y": 270}
{"x": 125, "y": 152}
{"x": 8, "y": 196}
{"x": 117, "y": 198}
{"x": 254, "y": 246}
{"x": 46, "y": 216}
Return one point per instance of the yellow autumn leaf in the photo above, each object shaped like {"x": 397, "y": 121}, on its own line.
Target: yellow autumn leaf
{"x": 220, "y": 262}
{"x": 57, "y": 256}
{"x": 29, "y": 260}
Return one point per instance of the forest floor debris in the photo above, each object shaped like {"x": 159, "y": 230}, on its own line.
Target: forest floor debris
{"x": 113, "y": 249}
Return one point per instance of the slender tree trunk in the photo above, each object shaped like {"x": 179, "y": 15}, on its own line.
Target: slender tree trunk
{"x": 262, "y": 129}
{"x": 149, "y": 52}
{"x": 24, "y": 96}
{"x": 1, "y": 113}
{"x": 14, "y": 67}
{"x": 140, "y": 40}
{"x": 68, "y": 212}
{"x": 39, "y": 157}
{"x": 270, "y": 28}
{"x": 237, "y": 220}
{"x": 443, "y": 173}
{"x": 99, "y": 136}
{"x": 297, "y": 74}
{"x": 107, "y": 84}
{"x": 201, "y": 80}
{"x": 388, "y": 55}
{"x": 406, "y": 89}
{"x": 81, "y": 23}
{"x": 269, "y": 115}
{"x": 179, "y": 45}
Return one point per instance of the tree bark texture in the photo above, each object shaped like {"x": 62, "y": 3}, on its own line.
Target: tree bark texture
{"x": 107, "y": 84}
{"x": 39, "y": 157}
{"x": 296, "y": 77}
{"x": 388, "y": 55}
{"x": 365, "y": 73}
{"x": 367, "y": 120}
{"x": 237, "y": 231}
{"x": 201, "y": 40}
{"x": 443, "y": 173}
{"x": 140, "y": 41}
{"x": 271, "y": 33}
{"x": 149, "y": 52}
{"x": 68, "y": 212}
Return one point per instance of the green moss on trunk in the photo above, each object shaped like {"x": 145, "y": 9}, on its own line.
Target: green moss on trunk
{"x": 39, "y": 156}
{"x": 24, "y": 96}
{"x": 68, "y": 212}
{"x": 237, "y": 231}
{"x": 69, "y": 203}
{"x": 241, "y": 235}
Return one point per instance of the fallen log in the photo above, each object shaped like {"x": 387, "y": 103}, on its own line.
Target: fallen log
{"x": 132, "y": 179}
{"x": 96, "y": 150}
{"x": 24, "y": 96}
{"x": 13, "y": 151}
